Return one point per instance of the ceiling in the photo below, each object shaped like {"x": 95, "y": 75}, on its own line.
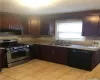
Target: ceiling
{"x": 60, "y": 6}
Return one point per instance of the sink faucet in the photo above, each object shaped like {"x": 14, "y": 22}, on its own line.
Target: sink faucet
{"x": 95, "y": 43}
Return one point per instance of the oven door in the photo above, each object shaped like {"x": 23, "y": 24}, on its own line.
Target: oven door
{"x": 16, "y": 55}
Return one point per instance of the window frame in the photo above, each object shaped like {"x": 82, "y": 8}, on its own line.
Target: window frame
{"x": 64, "y": 21}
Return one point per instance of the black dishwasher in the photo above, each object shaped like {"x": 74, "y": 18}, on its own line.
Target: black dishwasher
{"x": 80, "y": 58}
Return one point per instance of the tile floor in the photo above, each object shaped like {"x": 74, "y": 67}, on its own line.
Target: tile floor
{"x": 43, "y": 70}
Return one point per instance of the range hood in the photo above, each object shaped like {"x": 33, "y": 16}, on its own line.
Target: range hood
{"x": 10, "y": 32}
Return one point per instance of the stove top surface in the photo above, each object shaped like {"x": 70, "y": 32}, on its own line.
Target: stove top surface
{"x": 14, "y": 46}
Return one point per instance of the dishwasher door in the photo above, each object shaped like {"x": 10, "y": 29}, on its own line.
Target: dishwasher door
{"x": 80, "y": 59}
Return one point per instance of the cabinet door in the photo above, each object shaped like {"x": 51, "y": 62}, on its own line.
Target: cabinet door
{"x": 0, "y": 20}
{"x": 34, "y": 26}
{"x": 5, "y": 21}
{"x": 0, "y": 60}
{"x": 11, "y": 21}
{"x": 4, "y": 59}
{"x": 37, "y": 52}
{"x": 90, "y": 25}
{"x": 15, "y": 22}
{"x": 60, "y": 55}
{"x": 99, "y": 27}
{"x": 47, "y": 27}
{"x": 25, "y": 25}
{"x": 46, "y": 53}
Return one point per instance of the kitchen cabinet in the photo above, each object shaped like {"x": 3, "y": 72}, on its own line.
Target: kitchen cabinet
{"x": 5, "y": 21}
{"x": 25, "y": 25}
{"x": 4, "y": 59}
{"x": 47, "y": 27}
{"x": 11, "y": 21}
{"x": 37, "y": 52}
{"x": 60, "y": 55}
{"x": 46, "y": 53}
{"x": 0, "y": 19}
{"x": 39, "y": 26}
{"x": 54, "y": 54}
{"x": 34, "y": 26}
{"x": 33, "y": 51}
{"x": 0, "y": 60}
{"x": 15, "y": 22}
{"x": 95, "y": 59}
{"x": 91, "y": 25}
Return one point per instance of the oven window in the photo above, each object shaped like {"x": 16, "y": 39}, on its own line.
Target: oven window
{"x": 18, "y": 54}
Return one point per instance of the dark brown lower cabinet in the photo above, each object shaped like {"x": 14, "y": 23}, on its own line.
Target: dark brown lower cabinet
{"x": 46, "y": 53}
{"x": 83, "y": 59}
{"x": 37, "y": 52}
{"x": 3, "y": 61}
{"x": 54, "y": 54}
{"x": 60, "y": 55}
{"x": 32, "y": 52}
{"x": 95, "y": 59}
{"x": 0, "y": 60}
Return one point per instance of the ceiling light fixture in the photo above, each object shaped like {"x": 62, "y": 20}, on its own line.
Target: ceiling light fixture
{"x": 36, "y": 3}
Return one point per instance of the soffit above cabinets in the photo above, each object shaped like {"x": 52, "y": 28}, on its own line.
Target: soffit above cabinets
{"x": 60, "y": 6}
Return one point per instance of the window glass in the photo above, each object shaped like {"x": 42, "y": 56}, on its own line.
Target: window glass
{"x": 69, "y": 30}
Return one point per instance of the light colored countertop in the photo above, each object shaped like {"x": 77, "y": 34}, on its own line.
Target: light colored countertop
{"x": 77, "y": 47}
{"x": 90, "y": 48}
{"x": 2, "y": 48}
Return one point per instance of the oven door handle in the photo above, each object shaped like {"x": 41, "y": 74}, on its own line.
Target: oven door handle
{"x": 23, "y": 50}
{"x": 14, "y": 51}
{"x": 20, "y": 50}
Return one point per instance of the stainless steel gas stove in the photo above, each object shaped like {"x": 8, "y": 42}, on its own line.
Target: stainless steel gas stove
{"x": 16, "y": 53}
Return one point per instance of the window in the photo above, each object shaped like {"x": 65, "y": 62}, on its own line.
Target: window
{"x": 69, "y": 30}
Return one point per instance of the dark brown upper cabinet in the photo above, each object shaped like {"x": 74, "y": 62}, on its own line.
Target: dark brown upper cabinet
{"x": 15, "y": 22}
{"x": 11, "y": 21}
{"x": 25, "y": 25}
{"x": 91, "y": 26}
{"x": 47, "y": 27}
{"x": 0, "y": 19}
{"x": 34, "y": 26}
{"x": 5, "y": 23}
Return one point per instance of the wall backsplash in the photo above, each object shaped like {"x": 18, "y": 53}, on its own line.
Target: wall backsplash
{"x": 46, "y": 39}
{"x": 19, "y": 38}
{"x": 26, "y": 39}
{"x": 87, "y": 42}
{"x": 8, "y": 37}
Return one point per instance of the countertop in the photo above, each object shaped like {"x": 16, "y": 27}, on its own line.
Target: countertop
{"x": 2, "y": 48}
{"x": 90, "y": 48}
{"x": 77, "y": 47}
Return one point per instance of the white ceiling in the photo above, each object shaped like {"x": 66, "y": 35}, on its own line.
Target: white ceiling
{"x": 60, "y": 7}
